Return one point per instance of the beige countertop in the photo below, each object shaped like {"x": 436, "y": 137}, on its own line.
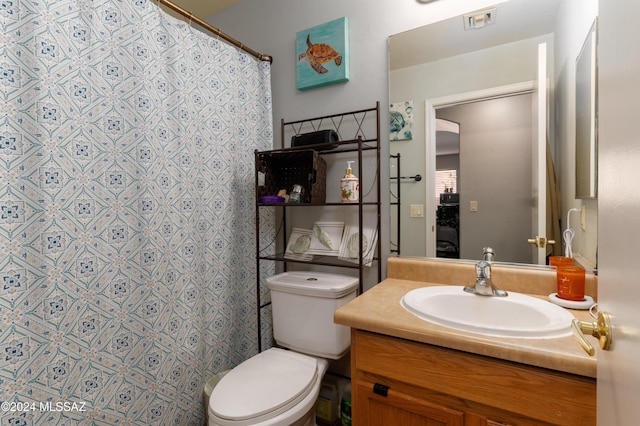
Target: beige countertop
{"x": 378, "y": 310}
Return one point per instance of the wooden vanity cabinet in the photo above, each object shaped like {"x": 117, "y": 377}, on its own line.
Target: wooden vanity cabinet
{"x": 401, "y": 382}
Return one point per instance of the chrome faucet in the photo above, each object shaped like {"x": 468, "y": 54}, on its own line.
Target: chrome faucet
{"x": 483, "y": 285}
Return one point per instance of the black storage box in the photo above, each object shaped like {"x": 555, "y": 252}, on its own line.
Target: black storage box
{"x": 315, "y": 138}
{"x": 282, "y": 170}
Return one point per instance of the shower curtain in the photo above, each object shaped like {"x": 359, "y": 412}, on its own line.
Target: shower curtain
{"x": 127, "y": 245}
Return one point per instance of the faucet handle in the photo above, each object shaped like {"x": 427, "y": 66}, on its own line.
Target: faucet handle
{"x": 483, "y": 285}
{"x": 488, "y": 254}
{"x": 483, "y": 270}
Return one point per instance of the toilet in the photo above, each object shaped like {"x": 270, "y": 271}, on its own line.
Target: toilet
{"x": 280, "y": 386}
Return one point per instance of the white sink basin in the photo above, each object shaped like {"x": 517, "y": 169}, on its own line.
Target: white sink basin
{"x": 516, "y": 315}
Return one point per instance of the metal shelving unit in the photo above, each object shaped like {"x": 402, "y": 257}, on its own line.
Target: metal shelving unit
{"x": 358, "y": 132}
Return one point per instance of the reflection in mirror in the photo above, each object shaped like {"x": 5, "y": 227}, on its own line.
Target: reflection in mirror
{"x": 494, "y": 163}
{"x": 586, "y": 113}
{"x": 442, "y": 61}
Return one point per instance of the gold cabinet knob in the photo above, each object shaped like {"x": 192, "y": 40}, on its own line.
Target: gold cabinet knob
{"x": 541, "y": 242}
{"x": 600, "y": 329}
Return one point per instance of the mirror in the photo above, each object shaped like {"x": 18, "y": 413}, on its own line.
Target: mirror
{"x": 586, "y": 118}
{"x": 442, "y": 62}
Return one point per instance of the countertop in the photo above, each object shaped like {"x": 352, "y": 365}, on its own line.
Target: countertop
{"x": 378, "y": 310}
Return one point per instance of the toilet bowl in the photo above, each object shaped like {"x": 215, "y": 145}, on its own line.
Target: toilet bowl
{"x": 275, "y": 387}
{"x": 280, "y": 386}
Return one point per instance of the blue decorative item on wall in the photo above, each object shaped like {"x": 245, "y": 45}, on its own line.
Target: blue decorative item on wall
{"x": 323, "y": 55}
{"x": 401, "y": 121}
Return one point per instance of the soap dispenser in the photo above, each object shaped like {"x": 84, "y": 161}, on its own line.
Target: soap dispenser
{"x": 349, "y": 186}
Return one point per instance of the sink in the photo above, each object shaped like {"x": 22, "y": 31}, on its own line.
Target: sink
{"x": 516, "y": 315}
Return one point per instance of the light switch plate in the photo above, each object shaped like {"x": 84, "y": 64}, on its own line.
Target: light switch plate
{"x": 473, "y": 206}
{"x": 417, "y": 210}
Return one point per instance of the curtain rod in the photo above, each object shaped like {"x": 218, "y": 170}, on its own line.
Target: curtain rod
{"x": 214, "y": 30}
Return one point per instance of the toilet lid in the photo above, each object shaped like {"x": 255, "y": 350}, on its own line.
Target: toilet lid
{"x": 266, "y": 385}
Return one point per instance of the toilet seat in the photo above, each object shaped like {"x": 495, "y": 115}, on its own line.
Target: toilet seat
{"x": 263, "y": 387}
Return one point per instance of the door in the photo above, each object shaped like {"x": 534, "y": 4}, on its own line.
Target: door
{"x": 618, "y": 206}
{"x": 539, "y": 158}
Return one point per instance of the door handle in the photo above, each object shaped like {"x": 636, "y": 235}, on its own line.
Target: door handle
{"x": 600, "y": 329}
{"x": 541, "y": 242}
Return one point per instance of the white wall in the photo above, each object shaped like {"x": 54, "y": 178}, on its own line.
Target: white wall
{"x": 270, "y": 27}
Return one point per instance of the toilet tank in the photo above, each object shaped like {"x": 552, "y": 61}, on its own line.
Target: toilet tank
{"x": 303, "y": 304}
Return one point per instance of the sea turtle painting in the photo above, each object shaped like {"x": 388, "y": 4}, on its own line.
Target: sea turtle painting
{"x": 322, "y": 54}
{"x": 318, "y": 54}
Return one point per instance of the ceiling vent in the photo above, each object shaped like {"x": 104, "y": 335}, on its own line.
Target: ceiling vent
{"x": 480, "y": 19}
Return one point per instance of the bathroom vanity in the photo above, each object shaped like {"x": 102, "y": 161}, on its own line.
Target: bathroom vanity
{"x": 412, "y": 372}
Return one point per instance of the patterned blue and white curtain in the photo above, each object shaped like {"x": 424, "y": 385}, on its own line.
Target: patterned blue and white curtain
{"x": 127, "y": 245}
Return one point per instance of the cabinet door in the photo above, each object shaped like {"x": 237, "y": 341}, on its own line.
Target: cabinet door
{"x": 397, "y": 408}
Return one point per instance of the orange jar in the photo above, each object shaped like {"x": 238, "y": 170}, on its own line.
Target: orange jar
{"x": 560, "y": 261}
{"x": 571, "y": 280}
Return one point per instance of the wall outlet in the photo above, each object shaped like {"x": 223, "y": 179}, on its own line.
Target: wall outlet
{"x": 473, "y": 206}
{"x": 417, "y": 210}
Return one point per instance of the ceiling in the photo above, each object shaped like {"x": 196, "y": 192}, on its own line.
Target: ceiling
{"x": 203, "y": 8}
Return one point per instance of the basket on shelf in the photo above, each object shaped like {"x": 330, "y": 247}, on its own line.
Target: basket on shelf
{"x": 282, "y": 170}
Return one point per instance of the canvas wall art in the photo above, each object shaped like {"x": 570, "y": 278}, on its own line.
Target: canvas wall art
{"x": 401, "y": 121}
{"x": 322, "y": 54}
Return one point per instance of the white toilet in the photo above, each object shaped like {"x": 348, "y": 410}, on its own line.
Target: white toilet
{"x": 279, "y": 386}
